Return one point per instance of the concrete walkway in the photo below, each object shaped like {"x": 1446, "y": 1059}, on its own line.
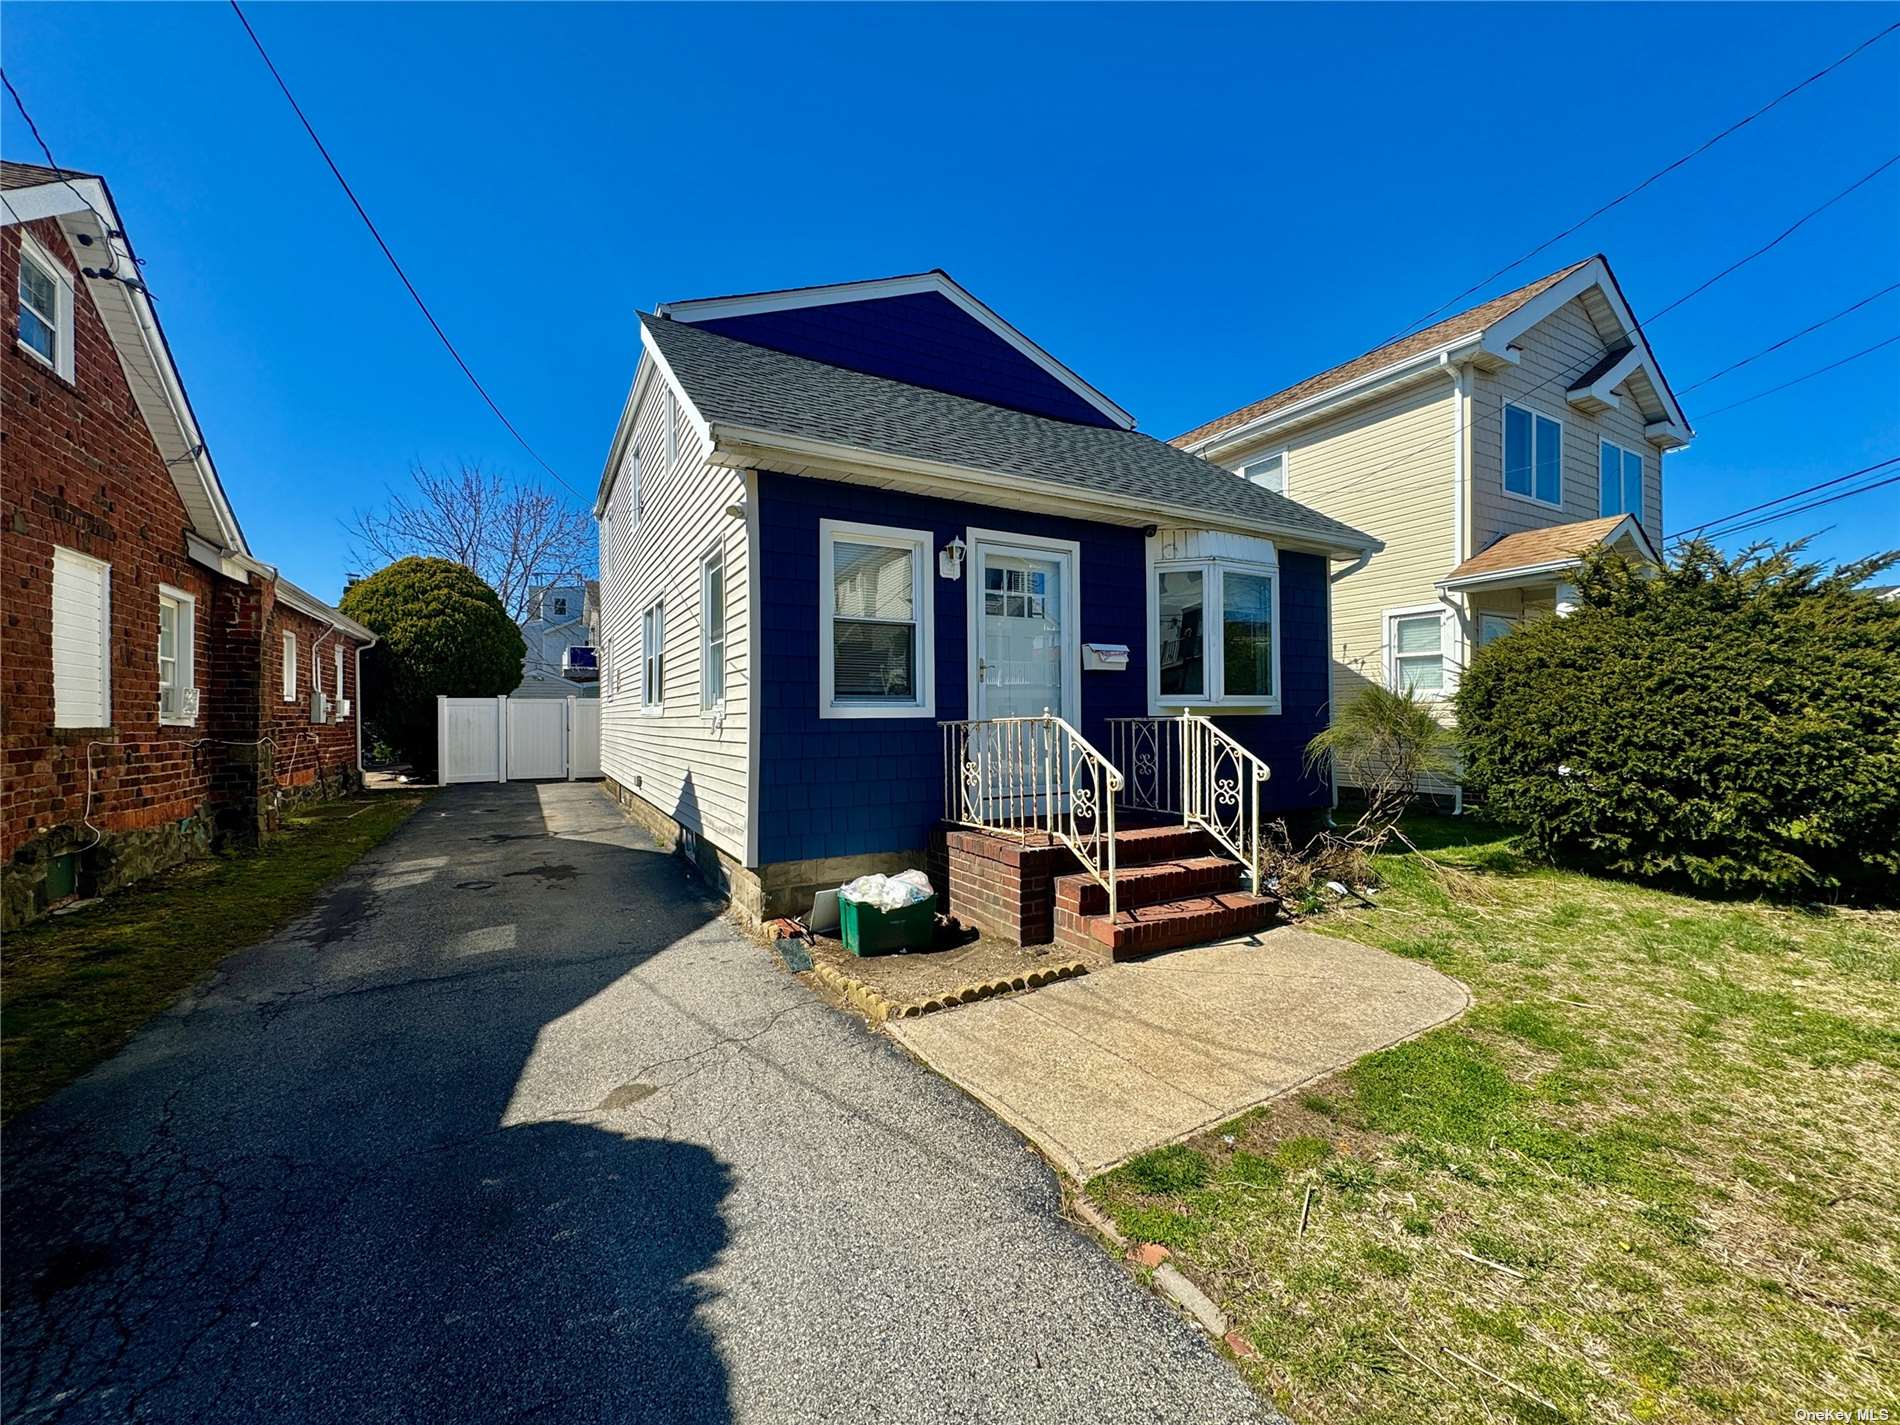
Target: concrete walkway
{"x": 513, "y": 1127}
{"x": 1096, "y": 1070}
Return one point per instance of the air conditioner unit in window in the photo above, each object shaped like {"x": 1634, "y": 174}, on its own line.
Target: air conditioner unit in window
{"x": 188, "y": 704}
{"x": 319, "y": 707}
{"x": 343, "y": 708}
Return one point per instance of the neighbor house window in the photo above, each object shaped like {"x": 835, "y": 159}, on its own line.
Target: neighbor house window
{"x": 560, "y": 607}
{"x": 1620, "y": 475}
{"x": 46, "y": 308}
{"x": 177, "y": 637}
{"x": 1533, "y": 455}
{"x": 874, "y": 624}
{"x": 1415, "y": 650}
{"x": 712, "y": 629}
{"x": 82, "y": 623}
{"x": 1266, "y": 471}
{"x": 1238, "y": 606}
{"x": 653, "y": 656}
{"x": 290, "y": 667}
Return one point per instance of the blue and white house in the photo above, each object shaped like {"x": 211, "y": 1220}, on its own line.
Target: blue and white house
{"x": 874, "y": 564}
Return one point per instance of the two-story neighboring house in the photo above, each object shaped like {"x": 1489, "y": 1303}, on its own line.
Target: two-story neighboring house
{"x": 1488, "y": 452}
{"x": 561, "y": 633}
{"x": 161, "y": 688}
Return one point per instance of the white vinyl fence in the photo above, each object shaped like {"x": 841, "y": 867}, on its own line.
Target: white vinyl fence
{"x": 516, "y": 740}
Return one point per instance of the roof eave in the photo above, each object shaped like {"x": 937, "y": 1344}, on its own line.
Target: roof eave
{"x": 750, "y": 447}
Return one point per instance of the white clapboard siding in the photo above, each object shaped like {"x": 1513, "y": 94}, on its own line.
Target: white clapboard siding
{"x": 1552, "y": 356}
{"x": 82, "y": 620}
{"x": 685, "y": 759}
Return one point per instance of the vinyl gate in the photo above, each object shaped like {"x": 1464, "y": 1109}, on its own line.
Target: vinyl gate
{"x": 517, "y": 739}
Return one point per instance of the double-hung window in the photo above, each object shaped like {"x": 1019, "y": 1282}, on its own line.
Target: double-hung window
{"x": 1266, "y": 471}
{"x": 177, "y": 638}
{"x": 1620, "y": 477}
{"x": 874, "y": 657}
{"x": 1533, "y": 455}
{"x": 712, "y": 629}
{"x": 1215, "y": 635}
{"x": 290, "y": 667}
{"x": 46, "y": 308}
{"x": 82, "y": 632}
{"x": 653, "y": 656}
{"x": 672, "y": 429}
{"x": 337, "y": 653}
{"x": 1415, "y": 652}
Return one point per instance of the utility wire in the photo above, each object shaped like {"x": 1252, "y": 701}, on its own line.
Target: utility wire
{"x": 415, "y": 296}
{"x": 1689, "y": 530}
{"x": 1780, "y": 237}
{"x": 1776, "y": 346}
{"x": 1806, "y": 376}
{"x": 1777, "y": 515}
{"x": 1663, "y": 172}
{"x": 53, "y": 163}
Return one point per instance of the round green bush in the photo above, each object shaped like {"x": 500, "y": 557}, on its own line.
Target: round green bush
{"x": 442, "y": 630}
{"x": 1729, "y": 723}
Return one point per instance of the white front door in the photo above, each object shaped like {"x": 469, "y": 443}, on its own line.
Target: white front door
{"x": 1023, "y": 642}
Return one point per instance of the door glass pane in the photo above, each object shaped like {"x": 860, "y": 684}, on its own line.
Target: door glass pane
{"x": 1023, "y": 646}
{"x": 1550, "y": 486}
{"x": 1179, "y": 639}
{"x": 1517, "y": 450}
{"x": 1247, "y": 634}
{"x": 872, "y": 580}
{"x": 873, "y": 660}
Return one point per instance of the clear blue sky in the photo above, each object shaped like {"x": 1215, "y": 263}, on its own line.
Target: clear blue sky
{"x": 1193, "y": 207}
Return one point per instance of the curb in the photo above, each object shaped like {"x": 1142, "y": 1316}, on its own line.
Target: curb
{"x": 867, "y": 1000}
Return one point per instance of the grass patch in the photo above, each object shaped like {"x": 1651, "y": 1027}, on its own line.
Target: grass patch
{"x": 1665, "y": 1127}
{"x": 74, "y": 989}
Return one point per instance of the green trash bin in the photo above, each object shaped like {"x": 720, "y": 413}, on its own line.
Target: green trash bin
{"x": 870, "y": 931}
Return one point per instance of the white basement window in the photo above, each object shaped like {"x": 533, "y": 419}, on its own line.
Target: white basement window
{"x": 712, "y": 629}
{"x": 1620, "y": 480}
{"x": 177, "y": 656}
{"x": 82, "y": 624}
{"x": 1533, "y": 456}
{"x": 290, "y": 667}
{"x": 653, "y": 657}
{"x": 1415, "y": 652}
{"x": 874, "y": 630}
{"x": 1214, "y": 633}
{"x": 46, "y": 308}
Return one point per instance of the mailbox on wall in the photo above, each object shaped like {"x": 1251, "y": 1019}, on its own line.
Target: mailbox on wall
{"x": 1104, "y": 657}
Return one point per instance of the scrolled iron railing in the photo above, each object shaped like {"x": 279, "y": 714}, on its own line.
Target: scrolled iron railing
{"x": 1186, "y": 766}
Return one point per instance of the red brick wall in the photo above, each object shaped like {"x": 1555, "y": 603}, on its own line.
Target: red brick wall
{"x": 80, "y": 470}
{"x": 306, "y": 753}
{"x": 998, "y": 885}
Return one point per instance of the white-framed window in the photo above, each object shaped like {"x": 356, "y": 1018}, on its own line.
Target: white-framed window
{"x": 46, "y": 307}
{"x": 290, "y": 666}
{"x": 560, "y": 605}
{"x": 82, "y": 640}
{"x": 607, "y": 544}
{"x": 672, "y": 428}
{"x": 1416, "y": 649}
{"x": 1533, "y": 455}
{"x": 1267, "y": 471}
{"x": 338, "y": 659}
{"x": 875, "y": 646}
{"x": 653, "y": 657}
{"x": 712, "y": 629}
{"x": 1214, "y": 634}
{"x": 1620, "y": 480}
{"x": 1492, "y": 627}
{"x": 177, "y": 654}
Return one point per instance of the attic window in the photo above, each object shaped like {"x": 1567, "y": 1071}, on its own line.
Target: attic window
{"x": 1266, "y": 471}
{"x": 46, "y": 308}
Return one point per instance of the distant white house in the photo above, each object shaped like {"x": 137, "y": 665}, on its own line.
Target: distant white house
{"x": 560, "y": 630}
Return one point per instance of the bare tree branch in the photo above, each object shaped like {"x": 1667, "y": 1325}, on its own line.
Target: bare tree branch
{"x": 517, "y": 536}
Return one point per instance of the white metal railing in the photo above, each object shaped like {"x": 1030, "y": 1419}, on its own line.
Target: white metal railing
{"x": 1034, "y": 776}
{"x": 1187, "y": 767}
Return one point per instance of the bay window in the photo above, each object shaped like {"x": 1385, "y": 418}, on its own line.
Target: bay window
{"x": 1236, "y": 604}
{"x": 874, "y": 622}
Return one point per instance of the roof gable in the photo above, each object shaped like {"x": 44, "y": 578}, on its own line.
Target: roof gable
{"x": 1551, "y": 547}
{"x": 924, "y": 330}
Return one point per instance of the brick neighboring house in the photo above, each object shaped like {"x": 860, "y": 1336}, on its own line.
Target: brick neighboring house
{"x": 146, "y": 711}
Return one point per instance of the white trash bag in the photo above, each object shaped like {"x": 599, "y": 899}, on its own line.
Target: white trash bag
{"x": 887, "y": 892}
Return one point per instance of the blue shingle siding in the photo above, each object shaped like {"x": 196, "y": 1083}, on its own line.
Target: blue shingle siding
{"x": 922, "y": 338}
{"x": 855, "y": 786}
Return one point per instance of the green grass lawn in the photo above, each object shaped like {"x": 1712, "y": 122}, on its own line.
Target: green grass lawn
{"x": 1669, "y": 1127}
{"x": 75, "y": 988}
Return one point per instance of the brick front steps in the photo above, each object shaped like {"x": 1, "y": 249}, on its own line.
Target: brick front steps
{"x": 1170, "y": 891}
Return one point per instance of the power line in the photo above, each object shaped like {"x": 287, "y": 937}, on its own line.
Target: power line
{"x": 1776, "y": 346}
{"x": 1663, "y": 172}
{"x": 1807, "y": 376}
{"x": 415, "y": 296}
{"x": 1780, "y": 237}
{"x": 1689, "y": 530}
{"x": 1778, "y": 515}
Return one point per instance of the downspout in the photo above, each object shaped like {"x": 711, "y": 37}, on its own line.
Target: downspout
{"x": 358, "y": 708}
{"x": 1460, "y": 518}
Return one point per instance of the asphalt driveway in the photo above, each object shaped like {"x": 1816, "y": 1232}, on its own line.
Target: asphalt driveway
{"x": 514, "y": 1126}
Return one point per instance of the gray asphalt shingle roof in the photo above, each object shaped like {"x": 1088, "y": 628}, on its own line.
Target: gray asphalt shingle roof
{"x": 733, "y": 382}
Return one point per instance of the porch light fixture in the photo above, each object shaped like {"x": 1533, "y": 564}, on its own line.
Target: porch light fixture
{"x": 950, "y": 559}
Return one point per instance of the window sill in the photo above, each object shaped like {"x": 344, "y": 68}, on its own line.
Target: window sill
{"x": 177, "y": 721}
{"x": 1165, "y": 707}
{"x": 873, "y": 710}
{"x": 1533, "y": 500}
{"x": 48, "y": 367}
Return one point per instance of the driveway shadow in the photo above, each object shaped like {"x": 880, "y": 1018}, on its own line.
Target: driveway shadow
{"x": 318, "y": 1198}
